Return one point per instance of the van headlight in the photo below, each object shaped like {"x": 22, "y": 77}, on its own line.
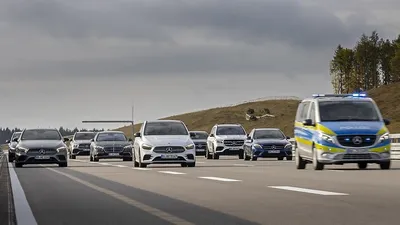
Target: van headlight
{"x": 189, "y": 146}
{"x": 326, "y": 137}
{"x": 384, "y": 137}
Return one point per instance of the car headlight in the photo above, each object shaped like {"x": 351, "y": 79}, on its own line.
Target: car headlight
{"x": 220, "y": 141}
{"x": 326, "y": 137}
{"x": 257, "y": 146}
{"x": 146, "y": 147}
{"x": 189, "y": 146}
{"x": 384, "y": 137}
{"x": 288, "y": 146}
{"x": 99, "y": 148}
{"x": 62, "y": 149}
{"x": 22, "y": 149}
{"x": 128, "y": 146}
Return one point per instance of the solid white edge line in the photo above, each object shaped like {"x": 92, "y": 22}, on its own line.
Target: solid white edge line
{"x": 219, "y": 179}
{"x": 121, "y": 166}
{"x": 306, "y": 190}
{"x": 171, "y": 172}
{"x": 23, "y": 211}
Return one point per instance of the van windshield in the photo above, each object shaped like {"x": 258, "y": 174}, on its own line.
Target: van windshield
{"x": 348, "y": 111}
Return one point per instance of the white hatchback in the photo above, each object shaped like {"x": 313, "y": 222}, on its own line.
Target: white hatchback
{"x": 164, "y": 142}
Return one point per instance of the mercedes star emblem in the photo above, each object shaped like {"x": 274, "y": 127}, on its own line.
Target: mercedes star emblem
{"x": 169, "y": 149}
{"x": 42, "y": 151}
{"x": 357, "y": 140}
{"x": 273, "y": 147}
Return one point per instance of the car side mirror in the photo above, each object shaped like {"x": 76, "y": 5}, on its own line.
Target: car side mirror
{"x": 386, "y": 121}
{"x": 130, "y": 139}
{"x": 7, "y": 141}
{"x": 192, "y": 135}
{"x": 66, "y": 139}
{"x": 248, "y": 137}
{"x": 287, "y": 137}
{"x": 91, "y": 140}
{"x": 308, "y": 122}
{"x": 137, "y": 134}
{"x": 15, "y": 140}
{"x": 212, "y": 135}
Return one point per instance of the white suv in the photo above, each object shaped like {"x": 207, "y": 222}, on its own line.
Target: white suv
{"x": 164, "y": 142}
{"x": 226, "y": 139}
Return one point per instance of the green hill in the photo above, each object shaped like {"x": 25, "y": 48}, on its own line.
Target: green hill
{"x": 387, "y": 98}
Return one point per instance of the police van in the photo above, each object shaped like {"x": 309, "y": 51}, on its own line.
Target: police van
{"x": 339, "y": 129}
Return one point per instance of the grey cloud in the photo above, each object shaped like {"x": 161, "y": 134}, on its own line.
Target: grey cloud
{"x": 250, "y": 21}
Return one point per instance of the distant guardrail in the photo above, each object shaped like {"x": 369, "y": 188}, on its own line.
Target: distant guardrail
{"x": 395, "y": 147}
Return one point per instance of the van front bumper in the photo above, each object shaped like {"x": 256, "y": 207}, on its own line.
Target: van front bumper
{"x": 341, "y": 158}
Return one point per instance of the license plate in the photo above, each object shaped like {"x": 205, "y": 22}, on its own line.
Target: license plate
{"x": 169, "y": 156}
{"x": 353, "y": 150}
{"x": 113, "y": 154}
{"x": 273, "y": 151}
{"x": 42, "y": 157}
{"x": 86, "y": 150}
{"x": 235, "y": 149}
{"x": 200, "y": 150}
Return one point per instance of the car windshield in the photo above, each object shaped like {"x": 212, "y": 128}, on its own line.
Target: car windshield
{"x": 15, "y": 135}
{"x": 111, "y": 137}
{"x": 84, "y": 136}
{"x": 348, "y": 111}
{"x": 165, "y": 128}
{"x": 230, "y": 130}
{"x": 268, "y": 134}
{"x": 199, "y": 135}
{"x": 41, "y": 134}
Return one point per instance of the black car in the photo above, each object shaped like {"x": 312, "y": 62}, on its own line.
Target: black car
{"x": 41, "y": 146}
{"x": 199, "y": 139}
{"x": 267, "y": 143}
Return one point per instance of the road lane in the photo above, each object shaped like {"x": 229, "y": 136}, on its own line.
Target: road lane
{"x": 181, "y": 192}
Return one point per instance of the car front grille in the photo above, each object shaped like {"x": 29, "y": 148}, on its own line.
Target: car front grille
{"x": 113, "y": 149}
{"x": 357, "y": 156}
{"x": 356, "y": 140}
{"x": 273, "y": 147}
{"x": 84, "y": 146}
{"x": 234, "y": 143}
{"x": 169, "y": 149}
{"x": 200, "y": 145}
{"x": 42, "y": 151}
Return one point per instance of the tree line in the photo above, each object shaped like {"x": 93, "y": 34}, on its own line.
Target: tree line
{"x": 373, "y": 62}
{"x": 5, "y": 133}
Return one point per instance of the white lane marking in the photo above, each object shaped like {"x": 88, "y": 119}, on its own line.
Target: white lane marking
{"x": 141, "y": 168}
{"x": 171, "y": 172}
{"x": 219, "y": 179}
{"x": 306, "y": 190}
{"x": 156, "y": 212}
{"x": 243, "y": 165}
{"x": 122, "y": 166}
{"x": 23, "y": 211}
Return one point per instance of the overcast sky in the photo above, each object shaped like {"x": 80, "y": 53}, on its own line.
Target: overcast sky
{"x": 62, "y": 62}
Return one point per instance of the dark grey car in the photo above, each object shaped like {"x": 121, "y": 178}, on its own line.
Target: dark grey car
{"x": 111, "y": 145}
{"x": 11, "y": 146}
{"x": 199, "y": 139}
{"x": 41, "y": 146}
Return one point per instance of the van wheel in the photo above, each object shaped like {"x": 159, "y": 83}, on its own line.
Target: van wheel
{"x": 362, "y": 165}
{"x": 241, "y": 154}
{"x": 385, "y": 165}
{"x": 300, "y": 162}
{"x": 317, "y": 165}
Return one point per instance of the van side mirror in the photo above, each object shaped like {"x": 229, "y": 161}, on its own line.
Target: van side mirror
{"x": 137, "y": 134}
{"x": 308, "y": 122}
{"x": 386, "y": 121}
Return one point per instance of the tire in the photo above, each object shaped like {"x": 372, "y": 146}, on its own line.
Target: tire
{"x": 73, "y": 156}
{"x": 317, "y": 165}
{"x": 90, "y": 158}
{"x": 18, "y": 165}
{"x": 385, "y": 165}
{"x": 241, "y": 154}
{"x": 215, "y": 154}
{"x": 289, "y": 158}
{"x": 183, "y": 165}
{"x": 11, "y": 158}
{"x": 63, "y": 164}
{"x": 280, "y": 158}
{"x": 300, "y": 162}
{"x": 246, "y": 157}
{"x": 254, "y": 158}
{"x": 95, "y": 159}
{"x": 127, "y": 159}
{"x": 191, "y": 164}
{"x": 208, "y": 155}
{"x": 362, "y": 165}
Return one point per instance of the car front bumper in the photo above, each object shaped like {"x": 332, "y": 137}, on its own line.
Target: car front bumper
{"x": 228, "y": 150}
{"x": 112, "y": 155}
{"x": 271, "y": 153}
{"x": 41, "y": 159}
{"x": 173, "y": 158}
{"x": 80, "y": 151}
{"x": 341, "y": 158}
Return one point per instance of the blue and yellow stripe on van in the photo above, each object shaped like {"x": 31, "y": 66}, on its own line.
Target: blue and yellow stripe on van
{"x": 308, "y": 135}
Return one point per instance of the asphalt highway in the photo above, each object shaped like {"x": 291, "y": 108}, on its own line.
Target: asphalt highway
{"x": 226, "y": 191}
